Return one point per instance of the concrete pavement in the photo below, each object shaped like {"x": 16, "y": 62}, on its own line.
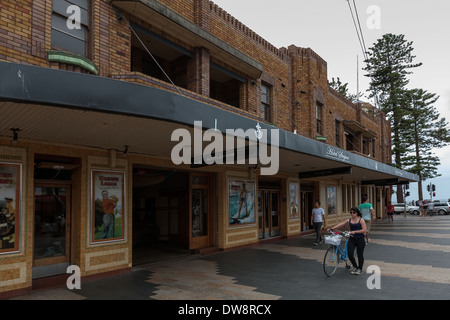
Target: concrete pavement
{"x": 412, "y": 254}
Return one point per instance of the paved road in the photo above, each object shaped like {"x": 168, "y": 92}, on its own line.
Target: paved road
{"x": 412, "y": 253}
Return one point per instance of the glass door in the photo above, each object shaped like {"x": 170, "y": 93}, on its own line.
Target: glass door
{"x": 306, "y": 205}
{"x": 268, "y": 214}
{"x": 200, "y": 214}
{"x": 51, "y": 229}
{"x": 261, "y": 208}
{"x": 274, "y": 214}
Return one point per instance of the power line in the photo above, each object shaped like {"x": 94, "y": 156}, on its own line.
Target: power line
{"x": 358, "y": 29}
{"x": 361, "y": 40}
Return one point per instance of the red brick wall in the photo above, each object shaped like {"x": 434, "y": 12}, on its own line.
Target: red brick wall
{"x": 276, "y": 65}
{"x": 16, "y": 22}
{"x": 298, "y": 76}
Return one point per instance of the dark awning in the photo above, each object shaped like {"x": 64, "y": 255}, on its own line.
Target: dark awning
{"x": 87, "y": 110}
{"x": 356, "y": 126}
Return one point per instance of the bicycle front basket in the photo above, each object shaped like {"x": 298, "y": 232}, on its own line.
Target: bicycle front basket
{"x": 334, "y": 239}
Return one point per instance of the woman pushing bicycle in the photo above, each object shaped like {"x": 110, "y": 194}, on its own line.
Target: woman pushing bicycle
{"x": 357, "y": 231}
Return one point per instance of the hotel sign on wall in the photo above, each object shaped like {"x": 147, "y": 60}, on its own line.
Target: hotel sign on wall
{"x": 337, "y": 154}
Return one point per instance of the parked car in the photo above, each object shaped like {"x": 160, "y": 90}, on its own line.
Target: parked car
{"x": 414, "y": 210}
{"x": 441, "y": 208}
{"x": 400, "y": 208}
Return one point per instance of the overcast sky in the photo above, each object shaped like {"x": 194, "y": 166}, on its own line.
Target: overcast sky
{"x": 327, "y": 27}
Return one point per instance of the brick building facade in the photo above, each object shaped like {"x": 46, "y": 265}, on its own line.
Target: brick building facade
{"x": 87, "y": 136}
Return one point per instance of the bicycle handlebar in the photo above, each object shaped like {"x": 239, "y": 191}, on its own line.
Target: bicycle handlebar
{"x": 344, "y": 233}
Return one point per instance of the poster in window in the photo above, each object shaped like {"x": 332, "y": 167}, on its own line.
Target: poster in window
{"x": 10, "y": 177}
{"x": 294, "y": 211}
{"x": 241, "y": 195}
{"x": 108, "y": 205}
{"x": 331, "y": 199}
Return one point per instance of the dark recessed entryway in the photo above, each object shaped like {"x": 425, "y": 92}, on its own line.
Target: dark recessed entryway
{"x": 160, "y": 214}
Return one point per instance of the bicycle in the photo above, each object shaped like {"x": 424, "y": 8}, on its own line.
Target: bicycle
{"x": 335, "y": 253}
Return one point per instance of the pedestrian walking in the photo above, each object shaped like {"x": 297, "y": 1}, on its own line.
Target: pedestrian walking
{"x": 425, "y": 208}
{"x": 390, "y": 211}
{"x": 431, "y": 209}
{"x": 358, "y": 230}
{"x": 366, "y": 210}
{"x": 317, "y": 219}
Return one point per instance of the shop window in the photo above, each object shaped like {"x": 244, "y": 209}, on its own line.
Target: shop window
{"x": 349, "y": 197}
{"x": 199, "y": 212}
{"x": 70, "y": 26}
{"x": 331, "y": 200}
{"x": 275, "y": 211}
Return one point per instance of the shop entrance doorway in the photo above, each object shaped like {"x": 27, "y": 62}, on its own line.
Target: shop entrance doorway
{"x": 53, "y": 213}
{"x": 51, "y": 253}
{"x": 201, "y": 217}
{"x": 268, "y": 213}
{"x": 160, "y": 214}
{"x": 172, "y": 213}
{"x": 307, "y": 204}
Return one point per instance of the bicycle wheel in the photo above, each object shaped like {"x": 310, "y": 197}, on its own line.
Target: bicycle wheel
{"x": 331, "y": 261}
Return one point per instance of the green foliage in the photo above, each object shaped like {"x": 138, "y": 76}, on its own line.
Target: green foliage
{"x": 416, "y": 125}
{"x": 427, "y": 132}
{"x": 388, "y": 64}
{"x": 342, "y": 89}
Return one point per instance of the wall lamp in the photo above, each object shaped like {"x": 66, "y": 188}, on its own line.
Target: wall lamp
{"x": 126, "y": 150}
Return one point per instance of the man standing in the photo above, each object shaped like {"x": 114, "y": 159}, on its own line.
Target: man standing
{"x": 317, "y": 218}
{"x": 367, "y": 214}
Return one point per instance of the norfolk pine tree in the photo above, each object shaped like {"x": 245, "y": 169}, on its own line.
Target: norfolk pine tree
{"x": 388, "y": 65}
{"x": 427, "y": 131}
{"x": 415, "y": 123}
{"x": 343, "y": 90}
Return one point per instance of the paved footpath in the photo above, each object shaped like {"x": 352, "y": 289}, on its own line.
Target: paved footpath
{"x": 412, "y": 254}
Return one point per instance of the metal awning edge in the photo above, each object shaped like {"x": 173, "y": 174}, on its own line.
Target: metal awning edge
{"x": 40, "y": 85}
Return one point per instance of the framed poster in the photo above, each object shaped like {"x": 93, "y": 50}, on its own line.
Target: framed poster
{"x": 294, "y": 207}
{"x": 108, "y": 206}
{"x": 331, "y": 200}
{"x": 241, "y": 200}
{"x": 10, "y": 180}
